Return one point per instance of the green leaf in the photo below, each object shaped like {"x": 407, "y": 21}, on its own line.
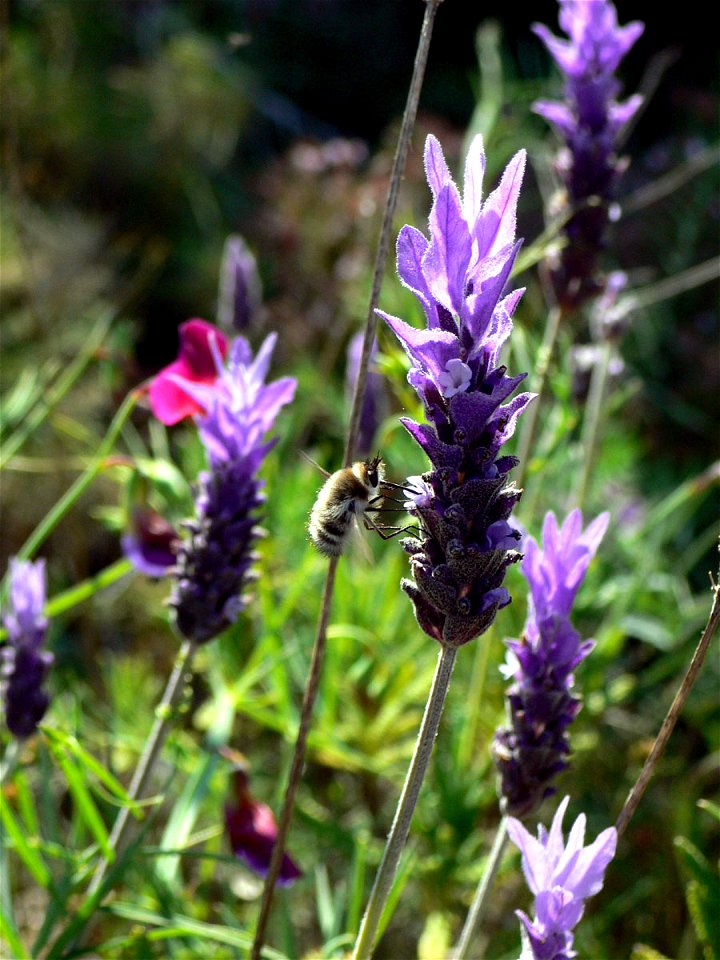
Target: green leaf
{"x": 24, "y": 849}
{"x": 10, "y": 935}
{"x": 182, "y": 926}
{"x": 86, "y": 809}
{"x": 93, "y": 766}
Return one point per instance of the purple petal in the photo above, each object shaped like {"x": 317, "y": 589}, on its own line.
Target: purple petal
{"x": 446, "y": 261}
{"x": 436, "y": 169}
{"x": 411, "y": 248}
{"x": 429, "y": 349}
{"x": 495, "y": 229}
{"x": 473, "y": 183}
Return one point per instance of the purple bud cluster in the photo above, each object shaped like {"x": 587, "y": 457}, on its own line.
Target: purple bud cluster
{"x": 213, "y": 563}
{"x": 464, "y": 543}
{"x": 589, "y": 122}
{"x": 533, "y": 749}
{"x": 240, "y": 291}
{"x": 24, "y": 664}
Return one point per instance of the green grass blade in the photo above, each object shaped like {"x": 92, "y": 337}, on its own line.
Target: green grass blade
{"x": 86, "y": 809}
{"x": 25, "y": 850}
{"x": 10, "y": 936}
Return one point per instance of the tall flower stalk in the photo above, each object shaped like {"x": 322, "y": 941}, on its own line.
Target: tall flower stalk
{"x": 464, "y": 543}
{"x": 214, "y": 562}
{"x": 533, "y": 748}
{"x": 589, "y": 122}
{"x": 312, "y": 683}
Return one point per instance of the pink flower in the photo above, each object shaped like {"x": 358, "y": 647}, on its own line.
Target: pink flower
{"x": 195, "y": 363}
{"x": 251, "y": 826}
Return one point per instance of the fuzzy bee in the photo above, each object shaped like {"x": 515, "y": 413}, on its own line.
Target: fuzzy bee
{"x": 346, "y": 498}
{"x": 343, "y": 500}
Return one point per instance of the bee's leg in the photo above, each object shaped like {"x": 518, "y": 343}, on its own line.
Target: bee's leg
{"x": 371, "y": 525}
{"x": 408, "y": 488}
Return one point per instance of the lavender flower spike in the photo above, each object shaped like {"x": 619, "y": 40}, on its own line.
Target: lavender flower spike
{"x": 562, "y": 876}
{"x": 213, "y": 565}
{"x": 533, "y": 749}
{"x": 240, "y": 289}
{"x": 588, "y": 122}
{"x": 465, "y": 543}
{"x": 24, "y": 663}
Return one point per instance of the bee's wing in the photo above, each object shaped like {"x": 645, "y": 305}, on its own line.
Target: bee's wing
{"x": 317, "y": 466}
{"x": 359, "y": 541}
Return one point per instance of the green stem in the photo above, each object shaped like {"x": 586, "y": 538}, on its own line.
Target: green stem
{"x": 406, "y": 805}
{"x": 529, "y": 420}
{"x": 75, "y": 491}
{"x": 592, "y": 426}
{"x": 477, "y": 909}
{"x": 311, "y": 688}
{"x": 164, "y": 718}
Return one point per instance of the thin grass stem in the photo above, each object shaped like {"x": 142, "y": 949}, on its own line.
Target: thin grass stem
{"x": 401, "y": 151}
{"x": 676, "y": 708}
{"x": 477, "y": 909}
{"x": 311, "y": 689}
{"x": 592, "y": 426}
{"x": 406, "y": 805}
{"x": 164, "y": 718}
{"x": 529, "y": 424}
{"x": 313, "y": 680}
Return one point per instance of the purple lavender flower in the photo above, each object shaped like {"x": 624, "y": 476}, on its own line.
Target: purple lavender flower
{"x": 588, "y": 122}
{"x": 213, "y": 564}
{"x": 465, "y": 543}
{"x": 151, "y": 545}
{"x": 533, "y": 749}
{"x": 562, "y": 876}
{"x": 24, "y": 663}
{"x": 374, "y": 402}
{"x": 240, "y": 293}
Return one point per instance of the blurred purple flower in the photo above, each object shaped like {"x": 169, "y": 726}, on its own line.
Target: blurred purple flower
{"x": 24, "y": 664}
{"x": 151, "y": 545}
{"x": 169, "y": 402}
{"x": 252, "y": 829}
{"x": 374, "y": 405}
{"x": 589, "y": 122}
{"x": 240, "y": 293}
{"x": 465, "y": 543}
{"x": 213, "y": 564}
{"x": 533, "y": 749}
{"x": 562, "y": 876}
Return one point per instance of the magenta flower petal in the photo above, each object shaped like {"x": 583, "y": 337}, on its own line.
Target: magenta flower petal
{"x": 151, "y": 545}
{"x": 252, "y": 832}
{"x": 195, "y": 363}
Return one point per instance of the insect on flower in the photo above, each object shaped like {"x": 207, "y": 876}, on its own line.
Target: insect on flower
{"x": 346, "y": 497}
